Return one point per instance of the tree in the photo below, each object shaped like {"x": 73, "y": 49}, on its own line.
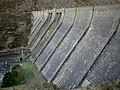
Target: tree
{"x": 9, "y": 79}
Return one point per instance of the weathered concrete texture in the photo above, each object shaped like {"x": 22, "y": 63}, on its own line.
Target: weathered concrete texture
{"x": 44, "y": 30}
{"x": 54, "y": 22}
{"x": 60, "y": 34}
{"x": 84, "y": 49}
{"x": 37, "y": 29}
{"x": 81, "y": 24}
{"x": 107, "y": 66}
{"x": 49, "y": 30}
{"x": 36, "y": 47}
{"x": 38, "y": 15}
{"x": 101, "y": 30}
{"x": 50, "y": 33}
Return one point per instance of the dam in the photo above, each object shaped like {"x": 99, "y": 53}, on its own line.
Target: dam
{"x": 77, "y": 47}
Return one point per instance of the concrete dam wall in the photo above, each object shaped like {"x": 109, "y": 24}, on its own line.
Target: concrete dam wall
{"x": 77, "y": 46}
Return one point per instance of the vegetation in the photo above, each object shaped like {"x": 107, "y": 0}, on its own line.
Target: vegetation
{"x": 18, "y": 74}
{"x": 15, "y": 67}
{"x": 24, "y": 76}
{"x": 14, "y": 29}
{"x": 15, "y": 5}
{"x": 15, "y": 25}
{"x": 9, "y": 79}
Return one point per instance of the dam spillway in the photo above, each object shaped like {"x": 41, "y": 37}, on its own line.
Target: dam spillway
{"x": 77, "y": 46}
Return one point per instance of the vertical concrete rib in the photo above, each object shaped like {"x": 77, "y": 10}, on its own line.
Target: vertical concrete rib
{"x": 36, "y": 17}
{"x": 107, "y": 65}
{"x": 43, "y": 31}
{"x": 36, "y": 34}
{"x": 34, "y": 26}
{"x": 50, "y": 35}
{"x": 37, "y": 22}
{"x": 80, "y": 27}
{"x": 92, "y": 64}
{"x": 47, "y": 34}
{"x": 102, "y": 28}
{"x": 60, "y": 34}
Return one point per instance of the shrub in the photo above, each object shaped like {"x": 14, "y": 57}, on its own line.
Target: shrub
{"x": 15, "y": 67}
{"x": 8, "y": 80}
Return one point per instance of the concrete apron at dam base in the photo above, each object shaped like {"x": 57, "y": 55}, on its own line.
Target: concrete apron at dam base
{"x": 77, "y": 47}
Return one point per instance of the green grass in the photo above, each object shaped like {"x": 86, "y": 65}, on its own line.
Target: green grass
{"x": 30, "y": 78}
{"x": 12, "y": 64}
{"x": 29, "y": 69}
{"x": 25, "y": 72}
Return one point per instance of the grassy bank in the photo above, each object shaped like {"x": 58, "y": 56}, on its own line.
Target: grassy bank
{"x": 30, "y": 79}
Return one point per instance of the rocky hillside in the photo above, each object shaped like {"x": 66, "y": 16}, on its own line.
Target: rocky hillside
{"x": 14, "y": 29}
{"x": 15, "y": 5}
{"x": 15, "y": 17}
{"x": 48, "y": 4}
{"x": 29, "y": 5}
